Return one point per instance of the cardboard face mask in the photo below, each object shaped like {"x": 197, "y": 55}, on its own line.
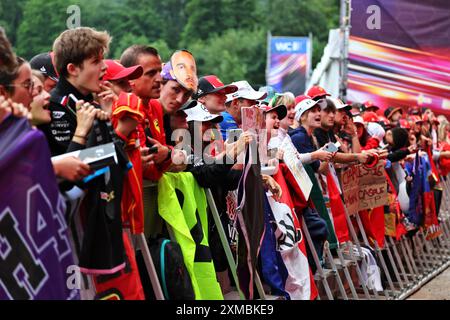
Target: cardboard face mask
{"x": 184, "y": 69}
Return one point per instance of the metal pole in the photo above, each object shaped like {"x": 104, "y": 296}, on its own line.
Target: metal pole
{"x": 393, "y": 264}
{"x": 142, "y": 243}
{"x": 399, "y": 260}
{"x": 329, "y": 256}
{"x": 345, "y": 15}
{"x": 355, "y": 261}
{"x": 366, "y": 241}
{"x": 347, "y": 274}
{"x": 316, "y": 261}
{"x": 224, "y": 240}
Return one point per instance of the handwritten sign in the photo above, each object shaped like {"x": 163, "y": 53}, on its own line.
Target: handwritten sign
{"x": 364, "y": 188}
{"x": 372, "y": 187}
{"x": 292, "y": 161}
{"x": 350, "y": 187}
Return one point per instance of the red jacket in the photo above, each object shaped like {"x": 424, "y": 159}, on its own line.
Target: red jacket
{"x": 153, "y": 119}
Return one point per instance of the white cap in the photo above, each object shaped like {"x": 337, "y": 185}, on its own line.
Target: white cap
{"x": 376, "y": 131}
{"x": 358, "y": 119}
{"x": 339, "y": 104}
{"x": 304, "y": 106}
{"x": 201, "y": 114}
{"x": 245, "y": 91}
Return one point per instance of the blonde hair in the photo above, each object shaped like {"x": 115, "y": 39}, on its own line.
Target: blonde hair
{"x": 286, "y": 99}
{"x": 442, "y": 129}
{"x": 38, "y": 75}
{"x": 76, "y": 45}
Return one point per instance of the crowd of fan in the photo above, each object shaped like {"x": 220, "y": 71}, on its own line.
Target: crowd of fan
{"x": 152, "y": 108}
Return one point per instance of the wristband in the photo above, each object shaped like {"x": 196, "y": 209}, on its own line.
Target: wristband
{"x": 78, "y": 136}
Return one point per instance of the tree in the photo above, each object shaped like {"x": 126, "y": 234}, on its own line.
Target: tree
{"x": 171, "y": 19}
{"x": 233, "y": 56}
{"x": 204, "y": 20}
{"x": 129, "y": 39}
{"x": 43, "y": 21}
{"x": 10, "y": 17}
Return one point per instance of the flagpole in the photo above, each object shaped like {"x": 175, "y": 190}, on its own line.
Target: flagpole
{"x": 345, "y": 15}
{"x": 269, "y": 40}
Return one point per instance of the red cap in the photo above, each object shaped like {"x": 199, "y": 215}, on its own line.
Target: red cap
{"x": 300, "y": 98}
{"x": 116, "y": 71}
{"x": 369, "y": 104}
{"x": 370, "y": 117}
{"x": 404, "y": 124}
{"x": 414, "y": 119}
{"x": 317, "y": 91}
{"x": 384, "y": 120}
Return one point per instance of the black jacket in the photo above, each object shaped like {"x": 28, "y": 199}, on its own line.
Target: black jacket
{"x": 60, "y": 130}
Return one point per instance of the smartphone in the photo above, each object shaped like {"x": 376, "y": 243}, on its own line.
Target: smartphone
{"x": 331, "y": 147}
{"x": 153, "y": 149}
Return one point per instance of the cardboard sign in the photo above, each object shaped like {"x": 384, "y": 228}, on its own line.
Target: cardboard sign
{"x": 292, "y": 160}
{"x": 372, "y": 187}
{"x": 364, "y": 188}
{"x": 253, "y": 121}
{"x": 350, "y": 189}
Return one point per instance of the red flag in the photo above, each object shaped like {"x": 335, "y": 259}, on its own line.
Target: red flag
{"x": 338, "y": 211}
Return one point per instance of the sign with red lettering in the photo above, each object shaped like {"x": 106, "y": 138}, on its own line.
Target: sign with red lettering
{"x": 364, "y": 188}
{"x": 372, "y": 187}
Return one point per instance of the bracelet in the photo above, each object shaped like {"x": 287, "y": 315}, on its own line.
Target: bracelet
{"x": 78, "y": 136}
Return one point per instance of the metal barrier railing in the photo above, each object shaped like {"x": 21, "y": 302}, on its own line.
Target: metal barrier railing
{"x": 406, "y": 264}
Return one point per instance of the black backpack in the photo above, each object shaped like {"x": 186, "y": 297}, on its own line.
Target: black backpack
{"x": 172, "y": 273}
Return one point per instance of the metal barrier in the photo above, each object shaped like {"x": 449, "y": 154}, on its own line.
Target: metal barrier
{"x": 406, "y": 264}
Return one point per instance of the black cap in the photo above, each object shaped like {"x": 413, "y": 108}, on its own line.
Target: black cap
{"x": 43, "y": 63}
{"x": 212, "y": 84}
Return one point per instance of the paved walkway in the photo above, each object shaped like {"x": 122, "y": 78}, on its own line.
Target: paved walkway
{"x": 436, "y": 289}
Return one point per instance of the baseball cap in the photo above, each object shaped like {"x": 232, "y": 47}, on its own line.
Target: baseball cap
{"x": 369, "y": 104}
{"x": 212, "y": 84}
{"x": 117, "y": 71}
{"x": 201, "y": 114}
{"x": 245, "y": 91}
{"x": 304, "y": 105}
{"x": 270, "y": 91}
{"x": 389, "y": 112}
{"x": 358, "y": 119}
{"x": 340, "y": 105}
{"x": 370, "y": 117}
{"x": 280, "y": 109}
{"x": 316, "y": 92}
{"x": 44, "y": 63}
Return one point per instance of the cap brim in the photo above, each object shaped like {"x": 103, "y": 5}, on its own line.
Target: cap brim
{"x": 228, "y": 89}
{"x": 280, "y": 109}
{"x": 188, "y": 105}
{"x": 394, "y": 111}
{"x": 255, "y": 95}
{"x": 321, "y": 95}
{"x": 130, "y": 73}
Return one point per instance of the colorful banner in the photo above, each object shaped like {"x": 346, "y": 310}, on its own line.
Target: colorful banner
{"x": 288, "y": 63}
{"x": 399, "y": 54}
{"x": 36, "y": 259}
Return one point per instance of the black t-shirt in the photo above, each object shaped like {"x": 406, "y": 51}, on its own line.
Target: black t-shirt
{"x": 102, "y": 247}
{"x": 324, "y": 136}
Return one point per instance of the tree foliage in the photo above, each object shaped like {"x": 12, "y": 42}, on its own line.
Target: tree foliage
{"x": 228, "y": 37}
